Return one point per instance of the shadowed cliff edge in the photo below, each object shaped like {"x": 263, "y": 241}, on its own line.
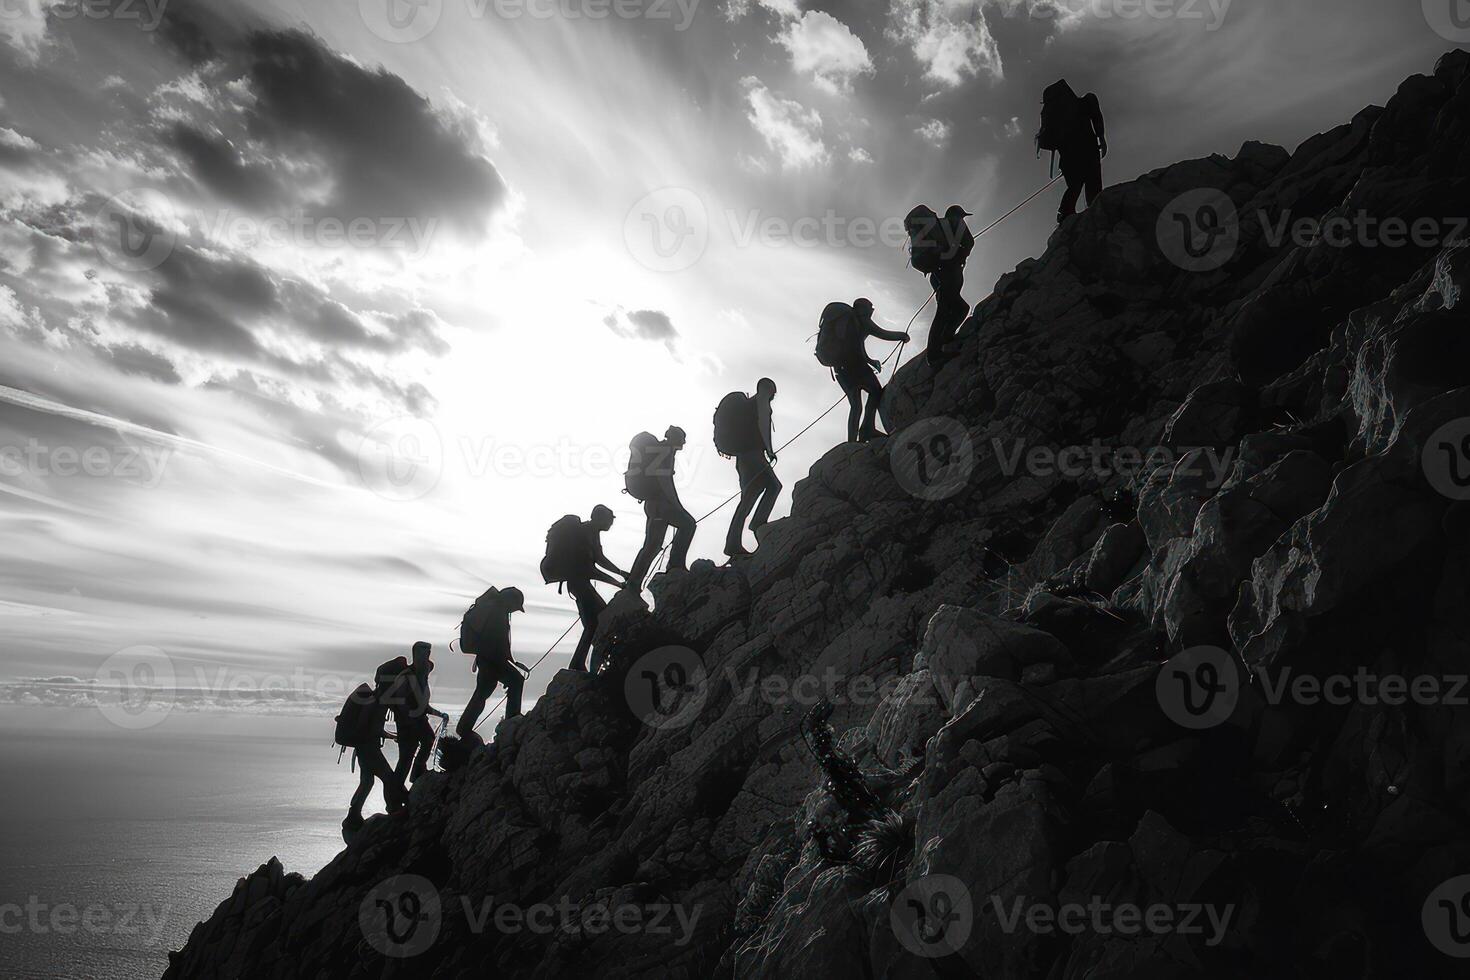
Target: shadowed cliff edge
{"x": 1009, "y": 638}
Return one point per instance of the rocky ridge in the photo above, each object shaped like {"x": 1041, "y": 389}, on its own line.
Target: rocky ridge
{"x": 997, "y": 658}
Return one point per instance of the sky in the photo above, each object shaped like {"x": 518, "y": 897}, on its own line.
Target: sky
{"x": 315, "y": 314}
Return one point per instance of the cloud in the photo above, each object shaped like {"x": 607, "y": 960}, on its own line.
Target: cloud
{"x": 791, "y": 130}
{"x": 824, "y": 48}
{"x": 652, "y": 325}
{"x": 950, "y": 38}
{"x": 935, "y": 131}
{"x": 859, "y": 155}
{"x": 281, "y": 111}
{"x": 1013, "y": 128}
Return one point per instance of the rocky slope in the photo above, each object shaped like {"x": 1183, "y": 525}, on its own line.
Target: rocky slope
{"x": 1024, "y": 661}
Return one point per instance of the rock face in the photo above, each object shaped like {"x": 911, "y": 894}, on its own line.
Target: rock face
{"x": 994, "y": 644}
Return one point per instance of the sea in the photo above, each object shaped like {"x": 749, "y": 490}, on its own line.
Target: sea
{"x": 115, "y": 842}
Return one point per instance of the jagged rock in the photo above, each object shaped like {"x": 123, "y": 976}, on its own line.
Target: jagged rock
{"x": 1008, "y": 638}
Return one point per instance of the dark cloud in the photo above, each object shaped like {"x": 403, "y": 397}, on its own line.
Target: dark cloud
{"x": 139, "y": 360}
{"x": 652, "y": 325}
{"x": 206, "y": 302}
{"x": 389, "y": 152}
{"x": 214, "y": 161}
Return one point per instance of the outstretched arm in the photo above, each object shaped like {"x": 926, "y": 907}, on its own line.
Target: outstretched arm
{"x": 600, "y": 560}
{"x": 598, "y": 576}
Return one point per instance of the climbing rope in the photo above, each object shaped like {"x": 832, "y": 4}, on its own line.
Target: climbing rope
{"x": 896, "y": 356}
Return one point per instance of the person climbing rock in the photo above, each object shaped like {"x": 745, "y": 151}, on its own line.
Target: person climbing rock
{"x": 650, "y": 480}
{"x": 1072, "y": 129}
{"x": 939, "y": 248}
{"x": 484, "y": 634}
{"x": 409, "y": 703}
{"x": 841, "y": 345}
{"x": 360, "y": 726}
{"x": 574, "y": 556}
{"x": 743, "y": 432}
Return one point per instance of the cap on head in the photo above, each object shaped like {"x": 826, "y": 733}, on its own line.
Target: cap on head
{"x": 675, "y": 435}
{"x": 955, "y": 212}
{"x": 765, "y": 386}
{"x": 602, "y": 516}
{"x": 862, "y": 304}
{"x": 514, "y": 599}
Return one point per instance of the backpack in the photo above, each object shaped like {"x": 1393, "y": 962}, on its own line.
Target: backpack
{"x": 839, "y": 339}
{"x": 474, "y": 621}
{"x": 354, "y": 723}
{"x": 737, "y": 425}
{"x": 643, "y": 453}
{"x": 566, "y": 549}
{"x": 1064, "y": 118}
{"x": 926, "y": 249}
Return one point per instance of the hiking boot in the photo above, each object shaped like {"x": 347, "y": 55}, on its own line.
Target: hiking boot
{"x": 350, "y": 826}
{"x": 734, "y": 551}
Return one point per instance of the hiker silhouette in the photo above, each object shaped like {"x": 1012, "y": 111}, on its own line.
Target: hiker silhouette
{"x": 1072, "y": 129}
{"x": 842, "y": 335}
{"x": 939, "y": 248}
{"x": 574, "y": 556}
{"x": 650, "y": 480}
{"x": 409, "y": 703}
{"x": 361, "y": 727}
{"x": 743, "y": 432}
{"x": 484, "y": 633}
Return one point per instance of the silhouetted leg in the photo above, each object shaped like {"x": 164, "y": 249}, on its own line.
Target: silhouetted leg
{"x": 854, "y": 393}
{"x": 870, "y": 383}
{"x": 683, "y": 524}
{"x": 1094, "y": 182}
{"x": 653, "y": 540}
{"x": 514, "y": 682}
{"x": 589, "y": 608}
{"x": 484, "y": 686}
{"x": 748, "y": 470}
{"x": 1069, "y": 199}
{"x": 374, "y": 765}
{"x": 364, "y": 786}
{"x": 772, "y": 491}
{"x": 948, "y": 285}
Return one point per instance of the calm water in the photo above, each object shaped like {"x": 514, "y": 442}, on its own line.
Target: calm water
{"x": 155, "y": 825}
